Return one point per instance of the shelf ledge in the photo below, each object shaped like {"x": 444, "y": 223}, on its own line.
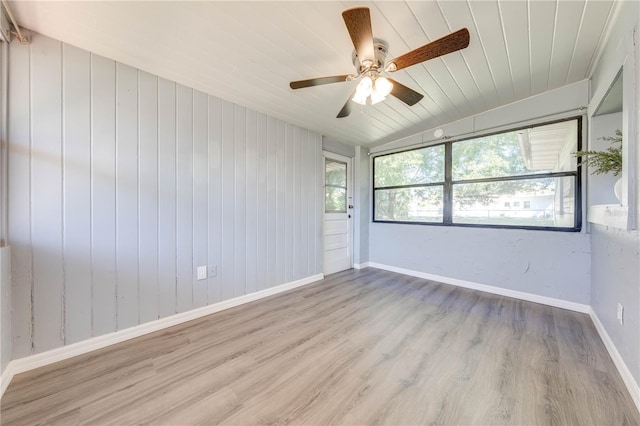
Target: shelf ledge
{"x": 613, "y": 215}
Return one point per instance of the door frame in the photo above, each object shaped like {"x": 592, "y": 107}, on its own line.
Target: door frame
{"x": 350, "y": 210}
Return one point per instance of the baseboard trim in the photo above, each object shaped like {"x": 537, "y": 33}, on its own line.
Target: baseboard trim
{"x": 6, "y": 377}
{"x": 625, "y": 373}
{"x": 31, "y": 362}
{"x": 550, "y": 301}
{"x": 360, "y": 265}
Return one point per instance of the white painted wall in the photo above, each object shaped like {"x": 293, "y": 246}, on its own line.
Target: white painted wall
{"x": 362, "y": 202}
{"x": 5, "y": 307}
{"x": 615, "y": 271}
{"x": 5, "y": 251}
{"x": 338, "y": 147}
{"x": 544, "y": 263}
{"x": 616, "y": 253}
{"x": 550, "y": 264}
{"x": 122, "y": 183}
{"x": 600, "y": 187}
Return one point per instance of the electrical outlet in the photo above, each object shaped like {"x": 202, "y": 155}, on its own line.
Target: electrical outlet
{"x": 202, "y": 272}
{"x": 620, "y": 315}
{"x": 213, "y": 270}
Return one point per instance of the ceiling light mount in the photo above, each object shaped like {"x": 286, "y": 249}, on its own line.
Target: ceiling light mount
{"x": 380, "y": 50}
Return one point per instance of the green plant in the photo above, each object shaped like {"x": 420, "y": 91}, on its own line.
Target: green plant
{"x": 609, "y": 160}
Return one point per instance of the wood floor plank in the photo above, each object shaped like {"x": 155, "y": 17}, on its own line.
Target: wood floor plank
{"x": 359, "y": 347}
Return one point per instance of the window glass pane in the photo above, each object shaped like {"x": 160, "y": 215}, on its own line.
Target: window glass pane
{"x": 530, "y": 202}
{"x": 335, "y": 200}
{"x": 409, "y": 204}
{"x": 335, "y": 173}
{"x": 540, "y": 149}
{"x": 424, "y": 165}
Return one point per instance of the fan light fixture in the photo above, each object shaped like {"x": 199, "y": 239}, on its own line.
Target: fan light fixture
{"x": 378, "y": 90}
{"x": 370, "y": 60}
{"x": 382, "y": 88}
{"x": 364, "y": 89}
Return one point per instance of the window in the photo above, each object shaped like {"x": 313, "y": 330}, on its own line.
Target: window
{"x": 335, "y": 186}
{"x": 475, "y": 182}
{"x": 410, "y": 185}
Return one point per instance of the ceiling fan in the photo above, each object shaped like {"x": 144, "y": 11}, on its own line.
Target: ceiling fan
{"x": 369, "y": 59}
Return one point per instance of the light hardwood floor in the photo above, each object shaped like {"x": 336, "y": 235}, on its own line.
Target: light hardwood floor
{"x": 359, "y": 347}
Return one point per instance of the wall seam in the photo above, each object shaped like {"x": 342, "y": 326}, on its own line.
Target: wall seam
{"x": 157, "y": 160}
{"x": 138, "y": 96}
{"x": 63, "y": 196}
{"x": 193, "y": 196}
{"x": 31, "y": 278}
{"x": 91, "y": 184}
{"x": 175, "y": 218}
{"x": 116, "y": 204}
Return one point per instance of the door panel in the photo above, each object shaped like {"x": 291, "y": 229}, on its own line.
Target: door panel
{"x": 333, "y": 242}
{"x": 337, "y": 227}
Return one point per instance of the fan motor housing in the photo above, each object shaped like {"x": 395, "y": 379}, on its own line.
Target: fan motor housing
{"x": 380, "y": 49}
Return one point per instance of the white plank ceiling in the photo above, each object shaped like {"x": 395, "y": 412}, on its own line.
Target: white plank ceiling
{"x": 247, "y": 52}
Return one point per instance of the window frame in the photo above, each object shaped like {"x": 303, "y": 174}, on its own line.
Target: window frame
{"x": 448, "y": 183}
{"x": 346, "y": 187}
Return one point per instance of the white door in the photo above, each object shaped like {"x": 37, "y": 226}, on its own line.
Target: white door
{"x": 338, "y": 207}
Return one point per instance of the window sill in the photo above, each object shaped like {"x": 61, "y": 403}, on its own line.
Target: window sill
{"x": 613, "y": 215}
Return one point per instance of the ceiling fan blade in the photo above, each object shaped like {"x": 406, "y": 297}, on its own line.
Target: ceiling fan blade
{"x": 346, "y": 109}
{"x": 442, "y": 46}
{"x": 358, "y": 22}
{"x": 405, "y": 94}
{"x": 318, "y": 81}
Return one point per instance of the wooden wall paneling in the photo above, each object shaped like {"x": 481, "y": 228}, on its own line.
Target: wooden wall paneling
{"x": 167, "y": 203}
{"x": 200, "y": 193}
{"x": 184, "y": 198}
{"x": 19, "y": 194}
{"x": 289, "y": 214}
{"x": 251, "y": 237}
{"x": 226, "y": 270}
{"x": 567, "y": 25}
{"x": 123, "y": 183}
{"x": 103, "y": 207}
{"x": 515, "y": 17}
{"x": 297, "y": 205}
{"x": 215, "y": 198}
{"x": 458, "y": 15}
{"x": 304, "y": 204}
{"x": 304, "y": 212}
{"x": 319, "y": 199}
{"x": 239, "y": 220}
{"x": 76, "y": 128}
{"x": 490, "y": 30}
{"x": 127, "y": 195}
{"x": 46, "y": 194}
{"x": 409, "y": 36}
{"x": 261, "y": 203}
{"x": 432, "y": 26}
{"x": 281, "y": 208}
{"x": 272, "y": 202}
{"x": 594, "y": 18}
{"x": 541, "y": 15}
{"x": 148, "y": 197}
